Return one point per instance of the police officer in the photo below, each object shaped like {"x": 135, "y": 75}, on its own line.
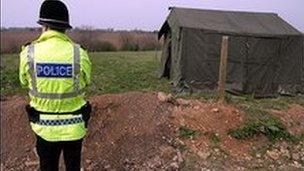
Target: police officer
{"x": 56, "y": 70}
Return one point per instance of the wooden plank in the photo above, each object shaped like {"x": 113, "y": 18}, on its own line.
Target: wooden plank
{"x": 223, "y": 69}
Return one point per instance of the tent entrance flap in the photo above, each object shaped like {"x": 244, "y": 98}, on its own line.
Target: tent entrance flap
{"x": 165, "y": 61}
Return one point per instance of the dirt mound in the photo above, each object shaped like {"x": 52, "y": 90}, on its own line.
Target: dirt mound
{"x": 17, "y": 140}
{"x": 212, "y": 121}
{"x": 126, "y": 131}
{"x": 154, "y": 131}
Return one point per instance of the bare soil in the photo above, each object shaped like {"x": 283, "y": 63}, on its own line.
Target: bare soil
{"x": 140, "y": 131}
{"x": 212, "y": 119}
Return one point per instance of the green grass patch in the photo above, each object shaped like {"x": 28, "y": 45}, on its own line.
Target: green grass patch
{"x": 279, "y": 103}
{"x": 9, "y": 75}
{"x": 186, "y": 133}
{"x": 9, "y": 82}
{"x": 260, "y": 121}
{"x": 264, "y": 124}
{"x": 112, "y": 72}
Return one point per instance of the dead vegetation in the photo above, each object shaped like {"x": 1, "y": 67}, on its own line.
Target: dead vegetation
{"x": 93, "y": 40}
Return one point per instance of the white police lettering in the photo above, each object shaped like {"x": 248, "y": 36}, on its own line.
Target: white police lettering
{"x": 54, "y": 70}
{"x": 62, "y": 71}
{"x": 39, "y": 69}
{"x": 46, "y": 70}
{"x": 69, "y": 70}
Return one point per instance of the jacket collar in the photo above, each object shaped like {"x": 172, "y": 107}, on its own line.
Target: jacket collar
{"x": 52, "y": 34}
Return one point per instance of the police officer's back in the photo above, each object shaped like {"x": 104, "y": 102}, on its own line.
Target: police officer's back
{"x": 56, "y": 71}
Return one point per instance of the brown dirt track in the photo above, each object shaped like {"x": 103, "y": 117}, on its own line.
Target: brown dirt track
{"x": 137, "y": 131}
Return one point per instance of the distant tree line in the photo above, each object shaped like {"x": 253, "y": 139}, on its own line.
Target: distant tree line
{"x": 93, "y": 39}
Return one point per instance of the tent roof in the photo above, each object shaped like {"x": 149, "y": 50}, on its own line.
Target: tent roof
{"x": 230, "y": 22}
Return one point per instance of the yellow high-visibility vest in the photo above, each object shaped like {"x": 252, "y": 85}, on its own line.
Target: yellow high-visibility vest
{"x": 56, "y": 71}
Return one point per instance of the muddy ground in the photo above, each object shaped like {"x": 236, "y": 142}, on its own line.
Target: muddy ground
{"x": 142, "y": 131}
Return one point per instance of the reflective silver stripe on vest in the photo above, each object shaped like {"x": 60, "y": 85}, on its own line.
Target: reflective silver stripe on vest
{"x": 76, "y": 76}
{"x": 60, "y": 122}
{"x": 31, "y": 63}
{"x": 76, "y": 70}
{"x": 55, "y": 95}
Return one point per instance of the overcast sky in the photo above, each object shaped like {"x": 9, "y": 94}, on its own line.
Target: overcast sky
{"x": 141, "y": 14}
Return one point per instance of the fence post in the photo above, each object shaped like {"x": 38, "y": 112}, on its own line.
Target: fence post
{"x": 223, "y": 69}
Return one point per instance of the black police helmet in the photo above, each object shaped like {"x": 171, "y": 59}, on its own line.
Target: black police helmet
{"x": 55, "y": 14}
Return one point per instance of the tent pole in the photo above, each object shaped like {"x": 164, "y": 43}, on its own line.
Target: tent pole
{"x": 223, "y": 69}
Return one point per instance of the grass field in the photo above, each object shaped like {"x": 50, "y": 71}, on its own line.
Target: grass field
{"x": 112, "y": 72}
{"x": 118, "y": 72}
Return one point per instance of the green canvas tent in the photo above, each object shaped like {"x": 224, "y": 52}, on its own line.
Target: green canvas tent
{"x": 265, "y": 53}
